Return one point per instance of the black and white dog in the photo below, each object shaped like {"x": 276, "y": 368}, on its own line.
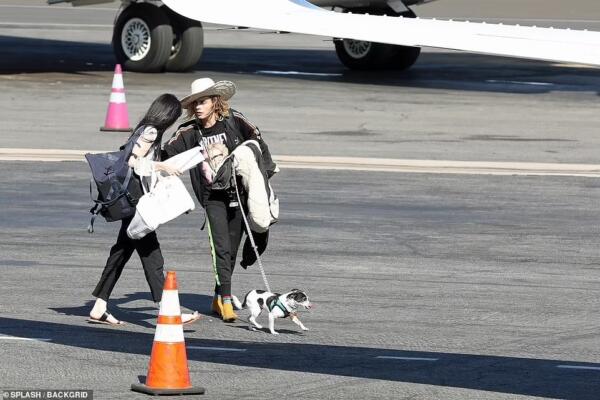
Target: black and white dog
{"x": 277, "y": 305}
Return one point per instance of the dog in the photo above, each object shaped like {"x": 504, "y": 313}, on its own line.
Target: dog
{"x": 277, "y": 305}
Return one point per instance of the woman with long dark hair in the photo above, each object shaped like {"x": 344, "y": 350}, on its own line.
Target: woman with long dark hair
{"x": 162, "y": 113}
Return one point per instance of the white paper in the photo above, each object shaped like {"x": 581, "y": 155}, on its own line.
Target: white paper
{"x": 186, "y": 160}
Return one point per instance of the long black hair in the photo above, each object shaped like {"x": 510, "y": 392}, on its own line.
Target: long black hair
{"x": 162, "y": 113}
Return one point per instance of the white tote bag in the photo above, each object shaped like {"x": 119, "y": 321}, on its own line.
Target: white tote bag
{"x": 166, "y": 200}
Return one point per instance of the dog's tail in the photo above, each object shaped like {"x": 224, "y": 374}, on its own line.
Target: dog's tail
{"x": 237, "y": 304}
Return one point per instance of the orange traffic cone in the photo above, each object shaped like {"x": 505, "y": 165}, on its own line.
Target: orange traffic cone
{"x": 168, "y": 370}
{"x": 117, "y": 117}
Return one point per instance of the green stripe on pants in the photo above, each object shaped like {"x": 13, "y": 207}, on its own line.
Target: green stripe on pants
{"x": 212, "y": 252}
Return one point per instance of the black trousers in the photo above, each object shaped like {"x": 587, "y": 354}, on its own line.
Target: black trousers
{"x": 225, "y": 229}
{"x": 147, "y": 248}
{"x": 248, "y": 254}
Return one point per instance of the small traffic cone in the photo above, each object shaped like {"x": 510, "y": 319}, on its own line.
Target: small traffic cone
{"x": 117, "y": 117}
{"x": 168, "y": 370}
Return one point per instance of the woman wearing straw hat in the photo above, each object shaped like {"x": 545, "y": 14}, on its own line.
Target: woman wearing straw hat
{"x": 218, "y": 130}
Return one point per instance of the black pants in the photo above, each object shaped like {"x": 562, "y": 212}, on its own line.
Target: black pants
{"x": 248, "y": 254}
{"x": 225, "y": 229}
{"x": 147, "y": 248}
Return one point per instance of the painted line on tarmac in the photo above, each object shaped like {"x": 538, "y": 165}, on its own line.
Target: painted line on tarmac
{"x": 578, "y": 367}
{"x": 359, "y": 164}
{"x": 57, "y": 7}
{"x": 520, "y": 83}
{"x": 299, "y": 73}
{"x": 215, "y": 348}
{"x": 407, "y": 358}
{"x": 43, "y": 155}
{"x": 525, "y": 20}
{"x": 34, "y": 25}
{"x": 440, "y": 166}
{"x": 25, "y": 339}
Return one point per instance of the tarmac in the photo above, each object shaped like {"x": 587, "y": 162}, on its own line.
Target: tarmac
{"x": 442, "y": 220}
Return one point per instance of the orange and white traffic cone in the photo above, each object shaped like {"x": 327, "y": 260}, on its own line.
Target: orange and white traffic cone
{"x": 168, "y": 370}
{"x": 117, "y": 117}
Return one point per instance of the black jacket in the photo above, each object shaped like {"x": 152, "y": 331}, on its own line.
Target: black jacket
{"x": 237, "y": 128}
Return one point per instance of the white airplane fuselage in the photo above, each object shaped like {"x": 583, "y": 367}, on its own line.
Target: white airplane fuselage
{"x": 142, "y": 43}
{"x": 167, "y": 35}
{"x": 364, "y": 4}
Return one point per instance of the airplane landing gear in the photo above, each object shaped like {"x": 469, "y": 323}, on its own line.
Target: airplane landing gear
{"x": 362, "y": 55}
{"x": 147, "y": 38}
{"x": 188, "y": 43}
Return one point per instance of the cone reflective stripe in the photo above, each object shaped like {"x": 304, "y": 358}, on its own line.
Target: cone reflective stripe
{"x": 117, "y": 116}
{"x": 169, "y": 304}
{"x": 168, "y": 371}
{"x": 117, "y": 98}
{"x": 117, "y": 83}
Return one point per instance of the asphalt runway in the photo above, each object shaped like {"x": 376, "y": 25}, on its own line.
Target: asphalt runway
{"x": 453, "y": 106}
{"x": 426, "y": 285}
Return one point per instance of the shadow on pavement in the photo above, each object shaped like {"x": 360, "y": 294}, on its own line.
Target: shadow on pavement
{"x": 144, "y": 316}
{"x": 522, "y": 376}
{"x": 27, "y": 55}
{"x": 434, "y": 70}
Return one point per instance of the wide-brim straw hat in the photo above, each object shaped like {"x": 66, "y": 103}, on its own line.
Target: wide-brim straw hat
{"x": 206, "y": 87}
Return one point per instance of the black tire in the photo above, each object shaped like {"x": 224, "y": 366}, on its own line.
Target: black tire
{"x": 373, "y": 55}
{"x": 361, "y": 55}
{"x": 188, "y": 43}
{"x": 405, "y": 57}
{"x": 154, "y": 29}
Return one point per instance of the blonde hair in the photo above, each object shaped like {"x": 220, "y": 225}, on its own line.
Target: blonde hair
{"x": 220, "y": 106}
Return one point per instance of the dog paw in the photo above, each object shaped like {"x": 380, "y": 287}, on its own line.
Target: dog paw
{"x": 305, "y": 328}
{"x": 274, "y": 333}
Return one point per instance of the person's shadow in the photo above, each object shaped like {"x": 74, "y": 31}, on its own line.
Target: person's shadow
{"x": 144, "y": 316}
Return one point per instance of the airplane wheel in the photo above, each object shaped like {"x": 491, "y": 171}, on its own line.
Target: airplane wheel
{"x": 142, "y": 38}
{"x": 362, "y": 55}
{"x": 405, "y": 57}
{"x": 188, "y": 43}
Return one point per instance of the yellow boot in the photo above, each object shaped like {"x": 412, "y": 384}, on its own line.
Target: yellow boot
{"x": 228, "y": 314}
{"x": 217, "y": 306}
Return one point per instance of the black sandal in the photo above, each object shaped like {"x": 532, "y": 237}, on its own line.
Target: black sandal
{"x": 104, "y": 320}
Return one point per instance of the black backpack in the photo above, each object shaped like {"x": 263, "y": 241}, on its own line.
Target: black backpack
{"x": 119, "y": 188}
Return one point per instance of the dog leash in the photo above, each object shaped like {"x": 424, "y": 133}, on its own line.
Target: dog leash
{"x": 249, "y": 231}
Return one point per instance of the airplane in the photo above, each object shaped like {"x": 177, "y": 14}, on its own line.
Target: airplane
{"x": 167, "y": 35}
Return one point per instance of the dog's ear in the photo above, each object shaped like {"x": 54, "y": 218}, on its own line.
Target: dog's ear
{"x": 298, "y": 296}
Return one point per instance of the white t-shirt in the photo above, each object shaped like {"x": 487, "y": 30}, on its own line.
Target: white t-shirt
{"x": 144, "y": 152}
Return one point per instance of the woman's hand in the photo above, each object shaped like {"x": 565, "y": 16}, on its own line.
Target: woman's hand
{"x": 161, "y": 166}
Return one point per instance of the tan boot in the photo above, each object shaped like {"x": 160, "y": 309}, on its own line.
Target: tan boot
{"x": 217, "y": 306}
{"x": 228, "y": 314}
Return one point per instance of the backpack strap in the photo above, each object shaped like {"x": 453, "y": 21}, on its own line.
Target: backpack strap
{"x": 99, "y": 205}
{"x": 232, "y": 128}
{"x": 94, "y": 210}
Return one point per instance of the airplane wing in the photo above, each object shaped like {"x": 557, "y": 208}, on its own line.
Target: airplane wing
{"x": 299, "y": 16}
